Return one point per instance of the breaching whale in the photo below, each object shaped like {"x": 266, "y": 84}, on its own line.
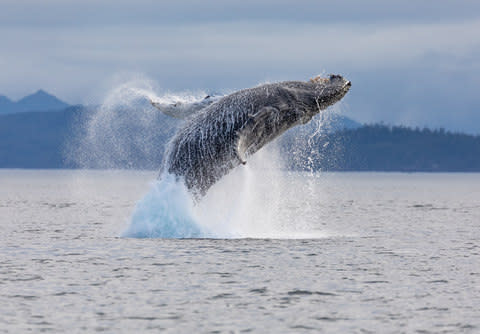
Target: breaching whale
{"x": 220, "y": 133}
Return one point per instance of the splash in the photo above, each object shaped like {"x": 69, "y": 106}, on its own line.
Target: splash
{"x": 257, "y": 200}
{"x": 125, "y": 131}
{"x": 253, "y": 201}
{"x": 165, "y": 212}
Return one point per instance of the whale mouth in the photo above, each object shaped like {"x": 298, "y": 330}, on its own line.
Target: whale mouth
{"x": 330, "y": 79}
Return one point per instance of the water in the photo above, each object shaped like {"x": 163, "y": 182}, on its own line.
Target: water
{"x": 372, "y": 252}
{"x": 249, "y": 202}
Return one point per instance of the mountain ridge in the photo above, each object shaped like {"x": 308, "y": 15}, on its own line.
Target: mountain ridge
{"x": 41, "y": 140}
{"x": 38, "y": 101}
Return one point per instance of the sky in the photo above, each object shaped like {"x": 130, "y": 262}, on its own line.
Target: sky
{"x": 414, "y": 63}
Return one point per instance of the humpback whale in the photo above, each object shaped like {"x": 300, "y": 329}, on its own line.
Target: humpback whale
{"x": 220, "y": 133}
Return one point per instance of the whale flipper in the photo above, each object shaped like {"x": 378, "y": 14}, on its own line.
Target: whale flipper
{"x": 182, "y": 110}
{"x": 254, "y": 133}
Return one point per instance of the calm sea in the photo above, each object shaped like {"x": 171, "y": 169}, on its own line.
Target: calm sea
{"x": 341, "y": 253}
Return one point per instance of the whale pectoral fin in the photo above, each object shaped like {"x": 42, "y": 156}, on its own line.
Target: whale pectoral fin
{"x": 241, "y": 148}
{"x": 252, "y": 135}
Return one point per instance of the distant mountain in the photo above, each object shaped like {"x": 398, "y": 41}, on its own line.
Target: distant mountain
{"x": 383, "y": 148}
{"x": 335, "y": 143}
{"x": 336, "y": 122}
{"x": 5, "y": 103}
{"x": 40, "y": 139}
{"x": 44, "y": 139}
{"x": 38, "y": 101}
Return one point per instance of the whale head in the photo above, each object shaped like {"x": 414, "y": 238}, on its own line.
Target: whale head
{"x": 318, "y": 94}
{"x": 328, "y": 91}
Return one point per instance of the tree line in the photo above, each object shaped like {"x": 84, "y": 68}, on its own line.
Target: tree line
{"x": 379, "y": 147}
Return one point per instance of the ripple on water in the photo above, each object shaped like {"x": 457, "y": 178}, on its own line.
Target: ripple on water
{"x": 309, "y": 293}
{"x": 388, "y": 267}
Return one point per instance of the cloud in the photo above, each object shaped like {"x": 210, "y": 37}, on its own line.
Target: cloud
{"x": 242, "y": 46}
{"x": 402, "y": 58}
{"x": 118, "y": 12}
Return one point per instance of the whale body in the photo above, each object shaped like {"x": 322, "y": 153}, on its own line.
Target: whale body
{"x": 222, "y": 135}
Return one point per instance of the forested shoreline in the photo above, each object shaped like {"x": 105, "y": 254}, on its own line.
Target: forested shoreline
{"x": 39, "y": 140}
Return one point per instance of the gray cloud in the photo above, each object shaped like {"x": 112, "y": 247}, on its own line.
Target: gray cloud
{"x": 91, "y": 12}
{"x": 409, "y": 63}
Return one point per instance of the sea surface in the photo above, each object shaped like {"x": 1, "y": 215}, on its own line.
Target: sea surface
{"x": 354, "y": 253}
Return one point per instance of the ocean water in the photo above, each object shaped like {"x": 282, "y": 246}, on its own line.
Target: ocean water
{"x": 332, "y": 252}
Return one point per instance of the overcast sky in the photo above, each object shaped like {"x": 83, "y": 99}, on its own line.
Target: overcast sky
{"x": 410, "y": 62}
